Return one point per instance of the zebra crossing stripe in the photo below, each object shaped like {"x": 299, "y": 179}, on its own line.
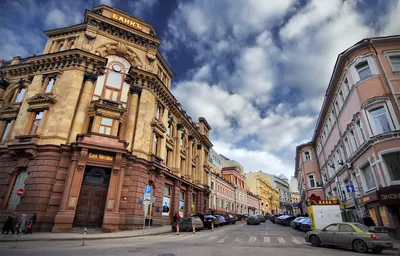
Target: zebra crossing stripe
{"x": 252, "y": 239}
{"x": 222, "y": 240}
{"x": 281, "y": 240}
{"x": 237, "y": 239}
{"x": 211, "y": 238}
{"x": 294, "y": 240}
{"x": 267, "y": 240}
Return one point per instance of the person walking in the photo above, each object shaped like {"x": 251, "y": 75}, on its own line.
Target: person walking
{"x": 31, "y": 223}
{"x": 8, "y": 225}
{"x": 22, "y": 224}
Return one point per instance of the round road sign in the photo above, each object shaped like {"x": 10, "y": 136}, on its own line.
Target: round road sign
{"x": 20, "y": 192}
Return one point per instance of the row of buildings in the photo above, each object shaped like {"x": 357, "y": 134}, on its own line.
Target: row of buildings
{"x": 354, "y": 153}
{"x": 86, "y": 125}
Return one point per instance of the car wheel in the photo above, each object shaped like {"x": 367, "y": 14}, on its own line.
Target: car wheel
{"x": 315, "y": 241}
{"x": 360, "y": 246}
{"x": 377, "y": 251}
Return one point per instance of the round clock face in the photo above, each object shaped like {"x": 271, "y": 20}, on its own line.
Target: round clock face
{"x": 117, "y": 68}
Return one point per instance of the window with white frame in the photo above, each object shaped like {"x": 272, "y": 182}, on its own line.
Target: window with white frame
{"x": 341, "y": 96}
{"x": 307, "y": 155}
{"x": 337, "y": 106}
{"x": 395, "y": 62}
{"x": 392, "y": 162}
{"x": 380, "y": 120}
{"x": 353, "y": 139}
{"x": 360, "y": 131}
{"x": 311, "y": 180}
{"x": 369, "y": 178}
{"x": 363, "y": 70}
{"x": 339, "y": 156}
{"x": 346, "y": 85}
{"x": 347, "y": 146}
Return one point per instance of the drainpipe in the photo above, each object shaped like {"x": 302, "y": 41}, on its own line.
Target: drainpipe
{"x": 384, "y": 72}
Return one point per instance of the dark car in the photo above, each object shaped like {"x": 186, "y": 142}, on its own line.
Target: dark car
{"x": 186, "y": 224}
{"x": 229, "y": 219}
{"x": 306, "y": 226}
{"x": 293, "y": 223}
{"x": 273, "y": 217}
{"x": 253, "y": 220}
{"x": 261, "y": 218}
{"x": 286, "y": 220}
{"x": 208, "y": 220}
{"x": 297, "y": 225}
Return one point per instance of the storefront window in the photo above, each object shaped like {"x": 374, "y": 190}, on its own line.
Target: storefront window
{"x": 166, "y": 201}
{"x": 368, "y": 177}
{"x": 393, "y": 165}
{"x": 384, "y": 217}
{"x": 373, "y": 215}
{"x": 181, "y": 203}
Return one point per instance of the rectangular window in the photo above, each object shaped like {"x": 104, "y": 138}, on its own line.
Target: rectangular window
{"x": 36, "y": 122}
{"x": 217, "y": 202}
{"x": 380, "y": 120}
{"x": 212, "y": 185}
{"x": 20, "y": 95}
{"x": 341, "y": 96}
{"x": 347, "y": 146}
{"x": 307, "y": 155}
{"x": 6, "y": 131}
{"x": 392, "y": 161}
{"x": 346, "y": 84}
{"x": 363, "y": 70}
{"x": 312, "y": 180}
{"x": 395, "y": 62}
{"x": 50, "y": 85}
{"x": 368, "y": 177}
{"x": 106, "y": 125}
{"x": 155, "y": 144}
{"x": 89, "y": 130}
{"x": 360, "y": 131}
{"x": 354, "y": 139}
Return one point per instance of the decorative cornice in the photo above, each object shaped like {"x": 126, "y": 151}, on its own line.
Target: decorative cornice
{"x": 66, "y": 31}
{"x": 10, "y": 110}
{"x": 41, "y": 99}
{"x": 103, "y": 105}
{"x": 135, "y": 90}
{"x": 159, "y": 126}
{"x": 90, "y": 77}
{"x": 374, "y": 100}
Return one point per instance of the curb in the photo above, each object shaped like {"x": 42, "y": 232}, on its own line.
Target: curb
{"x": 80, "y": 238}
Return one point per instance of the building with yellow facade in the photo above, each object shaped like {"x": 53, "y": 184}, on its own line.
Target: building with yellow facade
{"x": 86, "y": 125}
{"x": 268, "y": 194}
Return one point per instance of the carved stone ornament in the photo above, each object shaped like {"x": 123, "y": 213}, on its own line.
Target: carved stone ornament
{"x": 136, "y": 90}
{"x": 115, "y": 172}
{"x": 41, "y": 99}
{"x": 90, "y": 77}
{"x": 80, "y": 168}
{"x": 119, "y": 49}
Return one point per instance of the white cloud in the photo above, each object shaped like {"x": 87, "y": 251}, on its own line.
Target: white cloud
{"x": 56, "y": 17}
{"x": 392, "y": 21}
{"x": 140, "y": 7}
{"x": 107, "y": 2}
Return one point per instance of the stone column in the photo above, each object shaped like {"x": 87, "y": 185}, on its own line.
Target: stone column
{"x": 83, "y": 106}
{"x": 132, "y": 113}
{"x": 189, "y": 159}
{"x": 3, "y": 86}
{"x": 178, "y": 152}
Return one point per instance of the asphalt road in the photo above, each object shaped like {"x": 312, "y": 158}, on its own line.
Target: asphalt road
{"x": 231, "y": 240}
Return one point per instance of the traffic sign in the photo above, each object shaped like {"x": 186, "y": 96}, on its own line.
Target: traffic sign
{"x": 20, "y": 192}
{"x": 147, "y": 189}
{"x": 350, "y": 188}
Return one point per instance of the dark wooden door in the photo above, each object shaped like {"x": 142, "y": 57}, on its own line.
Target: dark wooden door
{"x": 92, "y": 198}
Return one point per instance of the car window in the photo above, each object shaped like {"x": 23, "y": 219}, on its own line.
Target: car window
{"x": 346, "y": 228}
{"x": 362, "y": 227}
{"x": 333, "y": 227}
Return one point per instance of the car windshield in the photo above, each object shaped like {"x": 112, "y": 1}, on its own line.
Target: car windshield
{"x": 307, "y": 221}
{"x": 362, "y": 227}
{"x": 297, "y": 219}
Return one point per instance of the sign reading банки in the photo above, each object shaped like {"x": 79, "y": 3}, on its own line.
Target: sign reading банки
{"x": 126, "y": 21}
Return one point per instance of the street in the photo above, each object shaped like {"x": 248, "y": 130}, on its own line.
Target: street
{"x": 238, "y": 239}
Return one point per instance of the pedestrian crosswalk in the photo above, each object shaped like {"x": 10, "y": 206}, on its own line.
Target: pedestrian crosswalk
{"x": 224, "y": 238}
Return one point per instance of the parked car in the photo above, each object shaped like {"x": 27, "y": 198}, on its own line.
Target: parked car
{"x": 306, "y": 226}
{"x": 298, "y": 223}
{"x": 221, "y": 218}
{"x": 217, "y": 222}
{"x": 186, "y": 224}
{"x": 208, "y": 220}
{"x": 273, "y": 217}
{"x": 261, "y": 218}
{"x": 293, "y": 223}
{"x": 287, "y": 220}
{"x": 253, "y": 220}
{"x": 351, "y": 235}
{"x": 279, "y": 219}
{"x": 229, "y": 219}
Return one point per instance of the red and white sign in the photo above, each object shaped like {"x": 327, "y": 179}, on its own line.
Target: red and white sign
{"x": 20, "y": 192}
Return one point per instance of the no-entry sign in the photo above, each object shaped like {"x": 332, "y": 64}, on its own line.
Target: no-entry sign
{"x": 20, "y": 192}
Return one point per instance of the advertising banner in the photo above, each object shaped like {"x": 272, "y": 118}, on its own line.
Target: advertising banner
{"x": 181, "y": 208}
{"x": 166, "y": 206}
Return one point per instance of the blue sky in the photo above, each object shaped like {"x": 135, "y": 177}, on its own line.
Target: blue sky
{"x": 256, "y": 69}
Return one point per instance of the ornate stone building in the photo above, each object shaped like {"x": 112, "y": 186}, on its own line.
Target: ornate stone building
{"x": 87, "y": 124}
{"x": 259, "y": 184}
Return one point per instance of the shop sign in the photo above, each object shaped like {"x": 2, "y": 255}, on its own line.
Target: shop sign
{"x": 389, "y": 195}
{"x": 368, "y": 198}
{"x": 126, "y": 21}
{"x": 323, "y": 202}
{"x": 100, "y": 156}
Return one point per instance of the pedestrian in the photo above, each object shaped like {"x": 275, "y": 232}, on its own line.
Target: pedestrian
{"x": 31, "y": 223}
{"x": 22, "y": 224}
{"x": 8, "y": 225}
{"x": 175, "y": 218}
{"x": 15, "y": 223}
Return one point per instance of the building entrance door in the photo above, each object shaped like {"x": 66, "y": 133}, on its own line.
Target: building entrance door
{"x": 92, "y": 198}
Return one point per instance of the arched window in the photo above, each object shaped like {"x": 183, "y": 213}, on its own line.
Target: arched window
{"x": 14, "y": 200}
{"x": 112, "y": 86}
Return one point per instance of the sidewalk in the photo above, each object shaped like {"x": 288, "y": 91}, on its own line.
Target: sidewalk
{"x": 89, "y": 236}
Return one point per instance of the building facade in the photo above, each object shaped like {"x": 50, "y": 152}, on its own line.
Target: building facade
{"x": 234, "y": 175}
{"x": 259, "y": 184}
{"x": 296, "y": 204}
{"x": 87, "y": 124}
{"x": 222, "y": 195}
{"x": 253, "y": 203}
{"x": 356, "y": 143}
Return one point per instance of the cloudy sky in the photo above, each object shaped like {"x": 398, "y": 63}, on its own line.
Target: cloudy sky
{"x": 256, "y": 69}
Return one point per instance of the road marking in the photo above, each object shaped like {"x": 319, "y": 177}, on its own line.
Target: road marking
{"x": 281, "y": 240}
{"x": 266, "y": 229}
{"x": 211, "y": 238}
{"x": 184, "y": 237}
{"x": 294, "y": 240}
{"x": 267, "y": 240}
{"x": 238, "y": 239}
{"x": 266, "y": 233}
{"x": 222, "y": 240}
{"x": 252, "y": 239}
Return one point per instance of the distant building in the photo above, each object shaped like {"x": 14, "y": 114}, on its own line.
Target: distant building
{"x": 293, "y": 186}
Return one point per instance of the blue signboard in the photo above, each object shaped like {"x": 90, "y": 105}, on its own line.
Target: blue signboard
{"x": 350, "y": 188}
{"x": 147, "y": 189}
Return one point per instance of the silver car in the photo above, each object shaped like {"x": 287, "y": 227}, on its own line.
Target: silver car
{"x": 351, "y": 235}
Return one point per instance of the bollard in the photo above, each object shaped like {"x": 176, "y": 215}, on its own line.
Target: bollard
{"x": 194, "y": 228}
{"x": 84, "y": 237}
{"x": 16, "y": 241}
{"x": 212, "y": 226}
{"x": 177, "y": 228}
